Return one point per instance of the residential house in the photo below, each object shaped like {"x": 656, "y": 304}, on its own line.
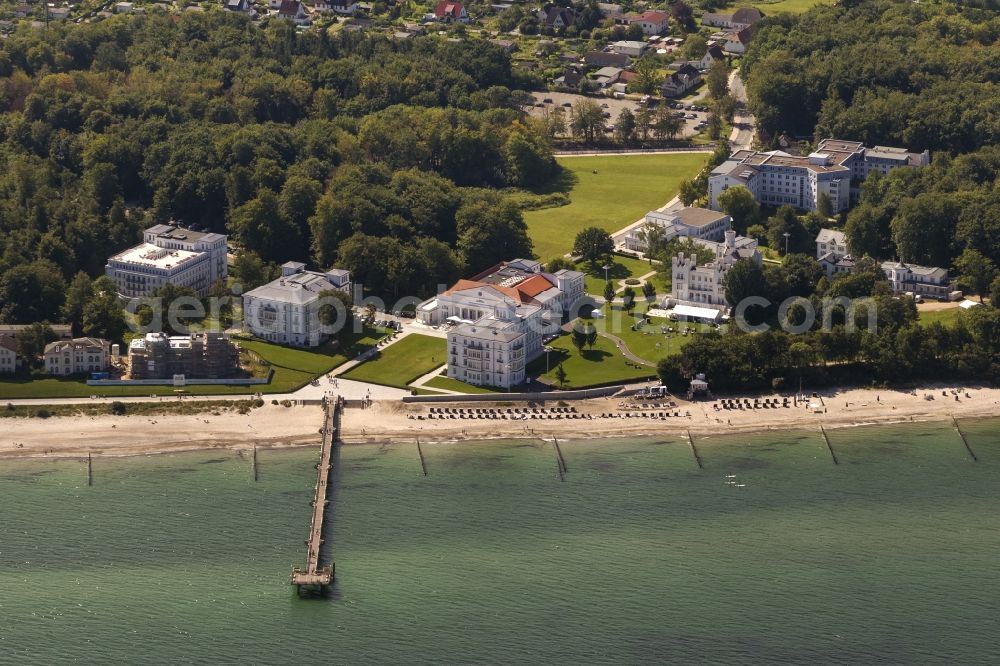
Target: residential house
{"x": 712, "y": 55}
{"x": 703, "y": 286}
{"x": 833, "y": 264}
{"x": 681, "y": 81}
{"x": 22, "y": 11}
{"x": 240, "y": 6}
{"x": 630, "y": 48}
{"x": 448, "y": 12}
{"x": 830, "y": 240}
{"x": 507, "y": 45}
{"x": 172, "y": 254}
{"x": 607, "y": 76}
{"x": 342, "y": 7}
{"x": 652, "y": 22}
{"x": 8, "y": 354}
{"x": 58, "y": 13}
{"x": 570, "y": 79}
{"x": 124, "y": 8}
{"x": 556, "y": 17}
{"x": 79, "y": 355}
{"x": 498, "y": 319}
{"x": 927, "y": 281}
{"x": 209, "y": 355}
{"x": 744, "y": 17}
{"x": 738, "y": 41}
{"x": 294, "y": 11}
{"x": 286, "y": 310}
{"x": 694, "y": 223}
{"x": 61, "y": 331}
{"x": 606, "y": 59}
{"x": 835, "y": 168}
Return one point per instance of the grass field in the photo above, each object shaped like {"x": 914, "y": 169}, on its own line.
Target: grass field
{"x": 609, "y": 192}
{"x": 621, "y": 269}
{"x": 948, "y": 316}
{"x": 449, "y": 384}
{"x": 603, "y": 364}
{"x": 293, "y": 368}
{"x": 402, "y": 362}
{"x": 791, "y": 6}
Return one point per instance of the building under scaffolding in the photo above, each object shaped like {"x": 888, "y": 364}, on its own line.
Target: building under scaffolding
{"x": 209, "y": 355}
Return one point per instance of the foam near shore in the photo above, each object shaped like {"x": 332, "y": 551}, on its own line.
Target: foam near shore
{"x": 277, "y": 426}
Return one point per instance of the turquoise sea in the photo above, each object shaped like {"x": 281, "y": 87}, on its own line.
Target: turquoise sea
{"x": 770, "y": 554}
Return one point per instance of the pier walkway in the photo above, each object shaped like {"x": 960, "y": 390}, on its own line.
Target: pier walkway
{"x": 316, "y": 579}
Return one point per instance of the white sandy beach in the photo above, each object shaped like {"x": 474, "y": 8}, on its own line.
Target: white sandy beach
{"x": 275, "y": 426}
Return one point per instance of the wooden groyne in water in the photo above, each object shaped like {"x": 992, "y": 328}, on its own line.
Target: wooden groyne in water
{"x": 826, "y": 438}
{"x": 90, "y": 470}
{"x": 315, "y": 579}
{"x": 961, "y": 434}
{"x": 694, "y": 450}
{"x": 255, "y": 475}
{"x": 420, "y": 452}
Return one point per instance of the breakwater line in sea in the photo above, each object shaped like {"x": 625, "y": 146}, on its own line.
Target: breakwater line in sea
{"x": 694, "y": 450}
{"x": 420, "y": 454}
{"x": 829, "y": 447}
{"x": 961, "y": 434}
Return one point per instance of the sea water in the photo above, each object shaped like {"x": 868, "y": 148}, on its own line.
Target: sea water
{"x": 770, "y": 553}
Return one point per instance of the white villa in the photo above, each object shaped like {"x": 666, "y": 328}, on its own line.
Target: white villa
{"x": 67, "y": 357}
{"x": 499, "y": 317}
{"x": 8, "y": 354}
{"x": 286, "y": 310}
{"x": 920, "y": 280}
{"x": 775, "y": 177}
{"x": 831, "y": 252}
{"x": 699, "y": 223}
{"x": 169, "y": 254}
{"x": 701, "y": 286}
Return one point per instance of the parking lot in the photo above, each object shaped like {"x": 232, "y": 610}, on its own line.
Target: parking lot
{"x": 612, "y": 108}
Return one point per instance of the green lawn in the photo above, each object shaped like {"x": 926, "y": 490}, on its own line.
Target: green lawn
{"x": 642, "y": 341}
{"x": 603, "y": 364}
{"x": 621, "y": 269}
{"x": 948, "y": 317}
{"x": 449, "y": 384}
{"x": 791, "y": 6}
{"x": 610, "y": 192}
{"x": 402, "y": 362}
{"x": 293, "y": 368}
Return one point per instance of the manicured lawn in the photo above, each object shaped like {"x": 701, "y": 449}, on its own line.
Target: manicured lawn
{"x": 621, "y": 269}
{"x": 642, "y": 342}
{"x": 402, "y": 362}
{"x": 449, "y": 384}
{"x": 791, "y": 6}
{"x": 948, "y": 316}
{"x": 293, "y": 368}
{"x": 611, "y": 192}
{"x": 603, "y": 364}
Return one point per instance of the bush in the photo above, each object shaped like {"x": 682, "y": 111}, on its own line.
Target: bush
{"x": 633, "y": 282}
{"x": 274, "y": 402}
{"x": 286, "y": 403}
{"x": 118, "y": 408}
{"x": 258, "y": 402}
{"x": 42, "y": 413}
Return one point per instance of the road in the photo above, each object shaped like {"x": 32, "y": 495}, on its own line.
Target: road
{"x": 743, "y": 122}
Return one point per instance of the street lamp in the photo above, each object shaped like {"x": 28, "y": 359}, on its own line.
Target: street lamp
{"x": 547, "y": 350}
{"x": 606, "y": 268}
{"x": 786, "y": 235}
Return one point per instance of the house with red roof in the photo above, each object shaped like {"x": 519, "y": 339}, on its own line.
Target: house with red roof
{"x": 448, "y": 12}
{"x": 652, "y": 22}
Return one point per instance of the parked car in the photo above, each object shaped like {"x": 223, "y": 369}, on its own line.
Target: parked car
{"x": 547, "y": 100}
{"x": 567, "y": 104}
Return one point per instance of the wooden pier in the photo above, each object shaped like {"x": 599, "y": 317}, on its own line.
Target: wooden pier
{"x": 315, "y": 579}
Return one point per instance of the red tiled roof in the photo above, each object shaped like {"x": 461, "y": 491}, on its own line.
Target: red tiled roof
{"x": 446, "y": 8}
{"x": 523, "y": 292}
{"x": 654, "y": 16}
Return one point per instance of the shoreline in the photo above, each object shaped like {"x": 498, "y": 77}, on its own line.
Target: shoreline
{"x": 276, "y": 427}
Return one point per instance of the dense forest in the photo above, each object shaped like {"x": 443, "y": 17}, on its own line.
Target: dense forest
{"x": 379, "y": 156}
{"x": 920, "y": 75}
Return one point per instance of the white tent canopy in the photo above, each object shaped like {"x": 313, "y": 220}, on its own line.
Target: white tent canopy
{"x": 708, "y": 314}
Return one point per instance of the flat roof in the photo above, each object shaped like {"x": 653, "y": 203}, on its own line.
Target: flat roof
{"x": 699, "y": 217}
{"x": 172, "y": 231}
{"x": 153, "y": 256}
{"x": 696, "y": 312}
